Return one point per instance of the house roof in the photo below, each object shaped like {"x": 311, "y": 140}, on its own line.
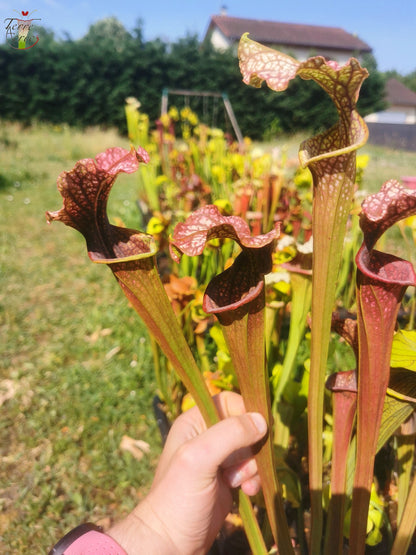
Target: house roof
{"x": 288, "y": 34}
{"x": 398, "y": 94}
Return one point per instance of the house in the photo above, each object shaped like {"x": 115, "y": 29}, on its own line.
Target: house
{"x": 298, "y": 40}
{"x": 395, "y": 126}
{"x": 401, "y": 105}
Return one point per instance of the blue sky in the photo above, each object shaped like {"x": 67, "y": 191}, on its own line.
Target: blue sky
{"x": 388, "y": 26}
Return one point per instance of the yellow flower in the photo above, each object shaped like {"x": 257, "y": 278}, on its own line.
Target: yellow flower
{"x": 218, "y": 173}
{"x": 237, "y": 161}
{"x": 303, "y": 178}
{"x": 362, "y": 161}
{"x": 193, "y": 118}
{"x": 184, "y": 112}
{"x": 155, "y": 226}
{"x": 173, "y": 113}
{"x": 261, "y": 165}
{"x": 165, "y": 120}
{"x": 168, "y": 138}
{"x": 188, "y": 117}
{"x": 217, "y": 133}
{"x": 225, "y": 206}
{"x": 161, "y": 180}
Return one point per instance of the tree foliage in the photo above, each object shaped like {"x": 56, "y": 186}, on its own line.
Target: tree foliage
{"x": 85, "y": 82}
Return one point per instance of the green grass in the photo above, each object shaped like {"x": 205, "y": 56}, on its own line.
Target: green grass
{"x": 385, "y": 163}
{"x": 74, "y": 357}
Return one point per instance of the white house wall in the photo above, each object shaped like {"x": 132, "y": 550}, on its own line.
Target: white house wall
{"x": 303, "y": 54}
{"x": 394, "y": 114}
{"x": 221, "y": 42}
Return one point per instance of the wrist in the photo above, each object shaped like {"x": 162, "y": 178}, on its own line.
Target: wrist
{"x": 87, "y": 538}
{"x": 142, "y": 532}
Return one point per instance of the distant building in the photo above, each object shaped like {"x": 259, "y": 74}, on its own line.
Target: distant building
{"x": 297, "y": 40}
{"x": 401, "y": 105}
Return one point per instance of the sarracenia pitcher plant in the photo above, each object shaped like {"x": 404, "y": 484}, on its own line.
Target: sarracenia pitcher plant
{"x": 130, "y": 256}
{"x": 237, "y": 298}
{"x": 128, "y": 253}
{"x": 365, "y": 414}
{"x": 382, "y": 280}
{"x": 331, "y": 158}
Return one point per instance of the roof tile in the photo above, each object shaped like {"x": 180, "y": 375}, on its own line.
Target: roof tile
{"x": 289, "y": 34}
{"x": 398, "y": 94}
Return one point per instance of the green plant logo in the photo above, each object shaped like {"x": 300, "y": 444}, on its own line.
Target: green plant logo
{"x": 18, "y": 31}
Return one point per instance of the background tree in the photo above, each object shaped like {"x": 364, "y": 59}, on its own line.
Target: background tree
{"x": 85, "y": 82}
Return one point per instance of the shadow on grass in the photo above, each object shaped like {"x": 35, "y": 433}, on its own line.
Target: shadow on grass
{"x": 5, "y": 182}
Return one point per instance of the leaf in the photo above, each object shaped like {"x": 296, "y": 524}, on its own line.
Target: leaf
{"x": 330, "y": 156}
{"x": 395, "y": 412}
{"x": 8, "y": 389}
{"x": 383, "y": 209}
{"x": 346, "y": 327}
{"x": 375, "y": 520}
{"x": 130, "y": 255}
{"x": 207, "y": 223}
{"x": 402, "y": 385}
{"x": 85, "y": 190}
{"x": 382, "y": 280}
{"x": 259, "y": 63}
{"x": 236, "y": 296}
{"x": 403, "y": 353}
{"x": 240, "y": 284}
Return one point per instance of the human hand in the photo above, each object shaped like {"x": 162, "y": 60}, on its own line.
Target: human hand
{"x": 191, "y": 496}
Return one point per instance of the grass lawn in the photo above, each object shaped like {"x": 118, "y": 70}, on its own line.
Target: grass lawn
{"x": 386, "y": 163}
{"x": 75, "y": 369}
{"x": 75, "y": 366}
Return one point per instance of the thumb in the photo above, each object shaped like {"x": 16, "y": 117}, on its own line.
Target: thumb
{"x": 225, "y": 439}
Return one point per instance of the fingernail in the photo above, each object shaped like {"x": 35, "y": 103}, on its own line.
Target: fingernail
{"x": 234, "y": 479}
{"x": 259, "y": 422}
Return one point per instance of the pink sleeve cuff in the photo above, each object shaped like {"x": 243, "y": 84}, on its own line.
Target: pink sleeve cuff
{"x": 94, "y": 543}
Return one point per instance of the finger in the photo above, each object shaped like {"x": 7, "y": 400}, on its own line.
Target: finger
{"x": 238, "y": 474}
{"x": 190, "y": 424}
{"x": 238, "y": 456}
{"x": 209, "y": 450}
{"x": 251, "y": 486}
{"x": 229, "y": 403}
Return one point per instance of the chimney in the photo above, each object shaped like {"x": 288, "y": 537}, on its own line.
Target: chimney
{"x": 223, "y": 10}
